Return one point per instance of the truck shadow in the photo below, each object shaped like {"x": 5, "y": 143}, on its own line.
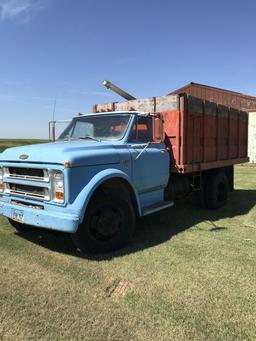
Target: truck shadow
{"x": 157, "y": 228}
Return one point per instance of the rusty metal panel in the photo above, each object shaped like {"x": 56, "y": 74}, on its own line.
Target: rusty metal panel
{"x": 152, "y": 104}
{"x": 145, "y": 104}
{"x": 223, "y": 132}
{"x": 210, "y": 131}
{"x": 195, "y": 104}
{"x": 194, "y": 131}
{"x": 172, "y": 121}
{"x": 103, "y": 107}
{"x": 167, "y": 103}
{"x": 210, "y": 136}
{"x": 210, "y": 108}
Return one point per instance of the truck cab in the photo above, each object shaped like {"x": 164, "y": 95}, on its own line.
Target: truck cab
{"x": 103, "y": 171}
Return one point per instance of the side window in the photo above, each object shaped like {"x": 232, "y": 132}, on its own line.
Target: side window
{"x": 142, "y": 130}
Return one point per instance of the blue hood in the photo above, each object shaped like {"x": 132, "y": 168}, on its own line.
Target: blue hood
{"x": 79, "y": 153}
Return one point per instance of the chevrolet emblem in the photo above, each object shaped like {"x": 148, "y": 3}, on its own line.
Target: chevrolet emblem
{"x": 23, "y": 157}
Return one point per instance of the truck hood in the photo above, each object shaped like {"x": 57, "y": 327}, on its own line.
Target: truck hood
{"x": 79, "y": 153}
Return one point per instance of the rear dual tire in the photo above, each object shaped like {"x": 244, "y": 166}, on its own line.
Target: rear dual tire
{"x": 214, "y": 193}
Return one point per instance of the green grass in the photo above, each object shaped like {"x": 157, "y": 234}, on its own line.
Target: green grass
{"x": 4, "y": 143}
{"x": 189, "y": 275}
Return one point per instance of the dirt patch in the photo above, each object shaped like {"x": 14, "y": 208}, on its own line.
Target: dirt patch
{"x": 118, "y": 288}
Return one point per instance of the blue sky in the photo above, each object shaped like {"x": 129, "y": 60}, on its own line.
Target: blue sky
{"x": 64, "y": 49}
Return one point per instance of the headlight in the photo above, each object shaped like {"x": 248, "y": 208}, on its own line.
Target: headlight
{"x": 58, "y": 186}
{"x": 1, "y": 180}
{"x": 59, "y": 180}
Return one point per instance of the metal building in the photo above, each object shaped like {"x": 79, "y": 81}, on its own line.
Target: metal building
{"x": 252, "y": 137}
{"x": 228, "y": 98}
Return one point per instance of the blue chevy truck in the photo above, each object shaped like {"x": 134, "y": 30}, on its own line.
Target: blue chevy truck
{"x": 110, "y": 167}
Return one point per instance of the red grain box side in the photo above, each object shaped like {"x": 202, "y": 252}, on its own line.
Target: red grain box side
{"x": 208, "y": 135}
{"x": 199, "y": 134}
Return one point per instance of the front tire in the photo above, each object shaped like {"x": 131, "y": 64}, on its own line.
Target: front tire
{"x": 108, "y": 224}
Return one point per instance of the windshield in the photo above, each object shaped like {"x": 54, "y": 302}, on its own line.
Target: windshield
{"x": 100, "y": 127}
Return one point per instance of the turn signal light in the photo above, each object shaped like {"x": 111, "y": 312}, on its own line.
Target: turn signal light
{"x": 59, "y": 195}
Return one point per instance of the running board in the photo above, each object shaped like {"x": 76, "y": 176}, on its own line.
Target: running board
{"x": 156, "y": 207}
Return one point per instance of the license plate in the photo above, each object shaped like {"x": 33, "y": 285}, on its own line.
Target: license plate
{"x": 17, "y": 215}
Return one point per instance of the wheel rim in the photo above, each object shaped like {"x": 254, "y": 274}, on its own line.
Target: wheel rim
{"x": 105, "y": 223}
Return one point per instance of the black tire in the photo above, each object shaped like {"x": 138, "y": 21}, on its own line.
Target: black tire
{"x": 108, "y": 224}
{"x": 200, "y": 198}
{"x": 18, "y": 226}
{"x": 216, "y": 191}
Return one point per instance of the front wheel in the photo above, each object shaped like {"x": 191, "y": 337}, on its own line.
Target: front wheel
{"x": 108, "y": 224}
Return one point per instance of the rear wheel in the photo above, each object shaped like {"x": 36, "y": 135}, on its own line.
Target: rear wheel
{"x": 200, "y": 198}
{"x": 108, "y": 224}
{"x": 216, "y": 191}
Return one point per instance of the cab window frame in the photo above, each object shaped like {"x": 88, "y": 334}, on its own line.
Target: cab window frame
{"x": 134, "y": 137}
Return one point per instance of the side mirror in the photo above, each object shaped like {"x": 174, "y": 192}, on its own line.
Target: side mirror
{"x": 158, "y": 128}
{"x": 52, "y": 131}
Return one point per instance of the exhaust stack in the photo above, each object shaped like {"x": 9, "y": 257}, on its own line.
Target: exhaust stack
{"x": 117, "y": 90}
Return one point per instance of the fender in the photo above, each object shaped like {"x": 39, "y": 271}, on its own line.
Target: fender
{"x": 85, "y": 195}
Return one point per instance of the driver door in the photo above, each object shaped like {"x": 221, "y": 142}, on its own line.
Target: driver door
{"x": 150, "y": 160}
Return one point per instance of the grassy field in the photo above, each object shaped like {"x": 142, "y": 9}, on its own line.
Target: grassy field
{"x": 4, "y": 143}
{"x": 189, "y": 275}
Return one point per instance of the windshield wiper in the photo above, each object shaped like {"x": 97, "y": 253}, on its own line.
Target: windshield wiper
{"x": 89, "y": 138}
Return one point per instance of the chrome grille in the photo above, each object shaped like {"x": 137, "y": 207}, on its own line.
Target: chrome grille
{"x": 33, "y": 192}
{"x": 27, "y": 182}
{"x": 33, "y": 174}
